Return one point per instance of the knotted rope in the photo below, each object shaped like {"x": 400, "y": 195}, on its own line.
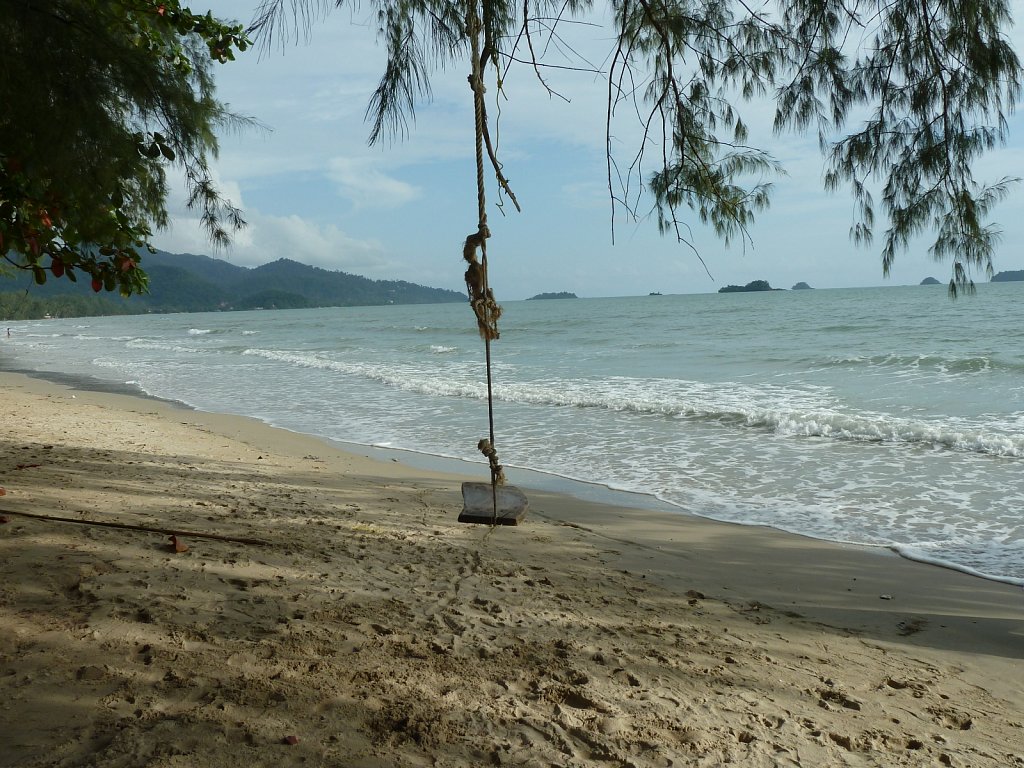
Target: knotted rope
{"x": 481, "y": 298}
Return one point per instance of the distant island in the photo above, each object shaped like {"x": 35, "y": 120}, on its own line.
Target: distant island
{"x": 1009, "y": 276}
{"x": 559, "y": 295}
{"x": 755, "y": 285}
{"x": 802, "y": 287}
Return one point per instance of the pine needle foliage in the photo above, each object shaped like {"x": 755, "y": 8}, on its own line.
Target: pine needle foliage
{"x": 904, "y": 95}
{"x": 100, "y": 97}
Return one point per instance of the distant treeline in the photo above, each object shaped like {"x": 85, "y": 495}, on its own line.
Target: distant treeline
{"x": 22, "y": 305}
{"x": 753, "y": 285}
{"x": 554, "y": 295}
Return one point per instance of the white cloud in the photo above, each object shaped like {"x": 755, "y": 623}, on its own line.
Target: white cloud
{"x": 268, "y": 238}
{"x": 366, "y": 186}
{"x": 322, "y": 246}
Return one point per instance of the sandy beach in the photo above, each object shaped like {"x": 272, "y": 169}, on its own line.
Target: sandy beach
{"x": 324, "y": 608}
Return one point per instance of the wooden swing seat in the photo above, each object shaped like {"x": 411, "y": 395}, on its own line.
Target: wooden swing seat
{"x": 478, "y": 504}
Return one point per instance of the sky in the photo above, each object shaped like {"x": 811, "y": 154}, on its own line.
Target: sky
{"x": 312, "y": 189}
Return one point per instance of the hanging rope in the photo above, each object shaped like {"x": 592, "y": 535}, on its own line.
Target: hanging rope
{"x": 481, "y": 298}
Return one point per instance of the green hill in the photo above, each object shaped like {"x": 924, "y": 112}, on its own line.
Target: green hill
{"x": 190, "y": 283}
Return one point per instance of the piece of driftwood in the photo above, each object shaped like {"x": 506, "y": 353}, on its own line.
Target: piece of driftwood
{"x": 144, "y": 528}
{"x": 478, "y": 504}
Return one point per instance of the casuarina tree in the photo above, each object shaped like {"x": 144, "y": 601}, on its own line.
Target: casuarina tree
{"x": 904, "y": 96}
{"x": 100, "y": 98}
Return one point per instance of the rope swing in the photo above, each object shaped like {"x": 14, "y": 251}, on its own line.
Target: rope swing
{"x": 512, "y": 504}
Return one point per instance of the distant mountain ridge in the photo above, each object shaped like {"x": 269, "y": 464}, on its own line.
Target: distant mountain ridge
{"x": 192, "y": 283}
{"x": 1010, "y": 275}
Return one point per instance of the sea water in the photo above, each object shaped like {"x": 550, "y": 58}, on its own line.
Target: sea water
{"x": 889, "y": 417}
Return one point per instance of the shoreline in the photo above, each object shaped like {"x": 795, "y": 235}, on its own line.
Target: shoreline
{"x": 590, "y": 630}
{"x": 531, "y": 479}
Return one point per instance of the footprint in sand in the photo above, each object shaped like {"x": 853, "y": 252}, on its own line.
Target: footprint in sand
{"x": 917, "y": 689}
{"x": 951, "y": 718}
{"x": 911, "y": 626}
{"x": 827, "y": 696}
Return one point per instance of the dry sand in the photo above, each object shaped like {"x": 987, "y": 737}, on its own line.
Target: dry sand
{"x": 371, "y": 629}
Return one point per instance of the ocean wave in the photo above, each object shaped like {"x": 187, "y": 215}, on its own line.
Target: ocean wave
{"x": 781, "y": 410}
{"x": 456, "y": 381}
{"x": 795, "y": 414}
{"x": 86, "y": 337}
{"x": 164, "y": 346}
{"x": 939, "y": 364}
{"x": 990, "y": 561}
{"x": 887, "y": 429}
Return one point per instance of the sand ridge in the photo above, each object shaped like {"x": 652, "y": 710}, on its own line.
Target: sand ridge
{"x": 373, "y": 630}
